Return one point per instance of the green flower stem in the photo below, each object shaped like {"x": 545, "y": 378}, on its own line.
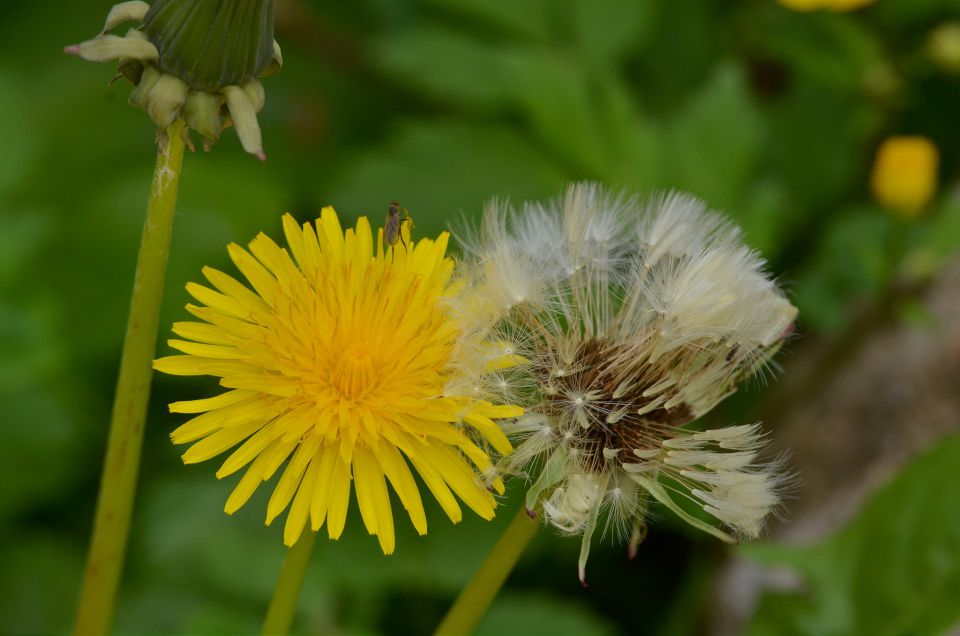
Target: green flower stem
{"x": 479, "y": 593}
{"x": 283, "y": 604}
{"x": 119, "y": 480}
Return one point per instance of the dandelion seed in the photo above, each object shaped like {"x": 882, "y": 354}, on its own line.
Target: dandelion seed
{"x": 347, "y": 360}
{"x": 664, "y": 312}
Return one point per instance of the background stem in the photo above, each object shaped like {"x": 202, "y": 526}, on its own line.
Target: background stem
{"x": 119, "y": 480}
{"x": 476, "y": 597}
{"x": 283, "y": 603}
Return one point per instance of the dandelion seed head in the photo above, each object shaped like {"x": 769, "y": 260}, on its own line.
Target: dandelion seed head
{"x": 646, "y": 314}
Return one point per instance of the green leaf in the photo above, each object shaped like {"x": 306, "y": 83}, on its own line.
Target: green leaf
{"x": 607, "y": 29}
{"x": 833, "y": 49}
{"x": 684, "y": 42}
{"x": 524, "y": 18}
{"x": 558, "y": 97}
{"x": 894, "y": 569}
{"x": 933, "y": 241}
{"x": 44, "y": 443}
{"x": 38, "y": 581}
{"x": 440, "y": 169}
{"x": 766, "y": 215}
{"x": 582, "y": 112}
{"x": 713, "y": 143}
{"x": 586, "y": 118}
{"x": 540, "y": 614}
{"x": 446, "y": 65}
{"x": 817, "y": 142}
{"x": 854, "y": 261}
{"x": 906, "y": 13}
{"x": 20, "y": 142}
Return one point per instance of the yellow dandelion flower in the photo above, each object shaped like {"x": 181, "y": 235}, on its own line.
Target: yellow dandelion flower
{"x": 904, "y": 175}
{"x": 830, "y": 5}
{"x": 354, "y": 363}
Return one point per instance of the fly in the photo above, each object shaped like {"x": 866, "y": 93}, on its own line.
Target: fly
{"x": 397, "y": 217}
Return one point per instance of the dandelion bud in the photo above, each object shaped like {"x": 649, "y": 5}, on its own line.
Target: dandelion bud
{"x": 194, "y": 59}
{"x": 904, "y": 176}
{"x": 637, "y": 318}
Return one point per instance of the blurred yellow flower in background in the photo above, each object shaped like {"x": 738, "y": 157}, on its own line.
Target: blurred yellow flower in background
{"x": 904, "y": 176}
{"x": 829, "y": 5}
{"x": 351, "y": 360}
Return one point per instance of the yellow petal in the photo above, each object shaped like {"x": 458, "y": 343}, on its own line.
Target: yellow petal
{"x": 205, "y": 350}
{"x": 202, "y": 332}
{"x": 276, "y": 455}
{"x": 278, "y": 385}
{"x": 290, "y": 480}
{"x": 294, "y": 235}
{"x": 396, "y": 470}
{"x": 211, "y": 403}
{"x": 364, "y": 476}
{"x": 297, "y": 517}
{"x": 276, "y": 260}
{"x": 330, "y": 234}
{"x": 250, "y": 411}
{"x": 213, "y": 445}
{"x": 490, "y": 431}
{"x": 339, "y": 499}
{"x": 321, "y": 492}
{"x": 247, "y": 452}
{"x": 236, "y": 290}
{"x": 257, "y": 274}
{"x": 247, "y": 485}
{"x": 461, "y": 478}
{"x": 434, "y": 482}
{"x": 216, "y": 300}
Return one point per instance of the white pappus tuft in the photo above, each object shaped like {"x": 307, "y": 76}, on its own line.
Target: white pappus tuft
{"x": 630, "y": 318}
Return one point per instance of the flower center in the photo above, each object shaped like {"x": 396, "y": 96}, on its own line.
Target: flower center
{"x": 353, "y": 374}
{"x": 607, "y": 405}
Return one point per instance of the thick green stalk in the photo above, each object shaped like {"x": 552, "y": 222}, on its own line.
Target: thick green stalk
{"x": 283, "y": 604}
{"x": 119, "y": 480}
{"x": 476, "y": 597}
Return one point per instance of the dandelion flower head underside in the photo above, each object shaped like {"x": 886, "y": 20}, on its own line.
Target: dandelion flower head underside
{"x": 350, "y": 362}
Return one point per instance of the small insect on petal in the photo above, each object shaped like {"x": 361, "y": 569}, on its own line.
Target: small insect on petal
{"x": 398, "y": 221}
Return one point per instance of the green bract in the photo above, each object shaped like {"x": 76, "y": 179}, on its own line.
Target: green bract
{"x": 195, "y": 59}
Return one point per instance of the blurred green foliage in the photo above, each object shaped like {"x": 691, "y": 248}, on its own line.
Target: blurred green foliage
{"x": 443, "y": 104}
{"x": 892, "y": 570}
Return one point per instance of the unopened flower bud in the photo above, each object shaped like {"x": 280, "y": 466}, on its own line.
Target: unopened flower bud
{"x": 194, "y": 59}
{"x": 212, "y": 43}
